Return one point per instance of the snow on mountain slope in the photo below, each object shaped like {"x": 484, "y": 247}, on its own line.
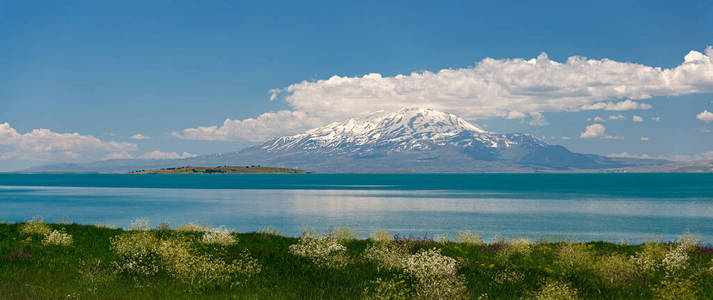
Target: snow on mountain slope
{"x": 409, "y": 129}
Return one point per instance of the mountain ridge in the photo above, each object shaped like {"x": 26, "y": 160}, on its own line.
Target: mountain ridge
{"x": 408, "y": 140}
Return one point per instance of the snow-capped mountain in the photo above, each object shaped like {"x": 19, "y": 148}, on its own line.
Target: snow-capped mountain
{"x": 407, "y": 130}
{"x": 417, "y": 140}
{"x": 409, "y": 140}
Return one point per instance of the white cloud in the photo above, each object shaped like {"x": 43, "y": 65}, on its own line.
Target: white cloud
{"x": 616, "y": 106}
{"x": 671, "y": 157}
{"x": 566, "y": 138}
{"x": 637, "y": 119}
{"x": 165, "y": 155}
{"x": 494, "y": 87}
{"x": 516, "y": 115}
{"x": 705, "y": 116}
{"x": 596, "y": 131}
{"x": 593, "y": 131}
{"x": 258, "y": 129}
{"x": 643, "y": 138}
{"x": 597, "y": 119}
{"x": 537, "y": 119}
{"x": 139, "y": 136}
{"x": 508, "y": 88}
{"x": 656, "y": 119}
{"x": 273, "y": 94}
{"x": 616, "y": 117}
{"x": 44, "y": 144}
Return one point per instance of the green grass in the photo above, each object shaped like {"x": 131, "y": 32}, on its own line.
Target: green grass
{"x": 52, "y": 271}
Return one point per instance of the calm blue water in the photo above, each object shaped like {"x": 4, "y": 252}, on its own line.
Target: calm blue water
{"x": 612, "y": 207}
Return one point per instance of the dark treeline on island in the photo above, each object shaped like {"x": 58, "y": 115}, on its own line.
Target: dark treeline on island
{"x": 221, "y": 170}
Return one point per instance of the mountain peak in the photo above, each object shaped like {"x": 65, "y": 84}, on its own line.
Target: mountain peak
{"x": 411, "y": 128}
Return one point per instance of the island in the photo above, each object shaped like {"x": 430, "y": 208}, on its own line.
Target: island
{"x": 221, "y": 170}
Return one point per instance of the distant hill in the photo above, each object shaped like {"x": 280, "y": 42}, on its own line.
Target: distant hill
{"x": 221, "y": 170}
{"x": 409, "y": 140}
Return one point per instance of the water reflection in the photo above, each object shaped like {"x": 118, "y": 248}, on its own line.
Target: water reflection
{"x": 585, "y": 217}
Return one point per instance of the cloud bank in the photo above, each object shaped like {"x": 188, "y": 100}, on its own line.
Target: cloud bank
{"x": 44, "y": 144}
{"x": 165, "y": 155}
{"x": 509, "y": 88}
{"x": 257, "y": 129}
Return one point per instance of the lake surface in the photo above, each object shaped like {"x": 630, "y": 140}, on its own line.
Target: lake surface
{"x": 611, "y": 207}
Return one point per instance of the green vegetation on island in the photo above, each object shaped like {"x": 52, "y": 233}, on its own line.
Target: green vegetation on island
{"x": 222, "y": 170}
{"x": 70, "y": 261}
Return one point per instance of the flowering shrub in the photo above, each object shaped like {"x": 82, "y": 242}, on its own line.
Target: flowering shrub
{"x": 142, "y": 254}
{"x": 102, "y": 225}
{"x": 675, "y": 260}
{"x": 137, "y": 254}
{"x": 141, "y": 224}
{"x": 648, "y": 260}
{"x": 688, "y": 241}
{"x": 520, "y": 245}
{"x": 324, "y": 251}
{"x": 387, "y": 255}
{"x": 201, "y": 271}
{"x": 192, "y": 227}
{"x": 59, "y": 238}
{"x": 441, "y": 238}
{"x": 430, "y": 264}
{"x": 134, "y": 242}
{"x": 35, "y": 226}
{"x": 342, "y": 234}
{"x": 468, "y": 238}
{"x": 393, "y": 289}
{"x": 381, "y": 236}
{"x": 436, "y": 275}
{"x": 573, "y": 257}
{"x": 616, "y": 269}
{"x": 163, "y": 226}
{"x": 219, "y": 236}
{"x": 556, "y": 291}
{"x": 516, "y": 246}
{"x": 676, "y": 290}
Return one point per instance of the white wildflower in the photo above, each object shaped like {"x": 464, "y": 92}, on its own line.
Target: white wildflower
{"x": 219, "y": 236}
{"x": 431, "y": 263}
{"x": 386, "y": 255}
{"x": 59, "y": 238}
{"x": 324, "y": 251}
{"x": 141, "y": 224}
{"x": 436, "y": 275}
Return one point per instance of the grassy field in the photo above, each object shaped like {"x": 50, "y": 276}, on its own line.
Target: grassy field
{"x": 69, "y": 261}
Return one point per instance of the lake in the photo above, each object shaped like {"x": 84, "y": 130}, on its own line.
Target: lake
{"x": 610, "y": 207}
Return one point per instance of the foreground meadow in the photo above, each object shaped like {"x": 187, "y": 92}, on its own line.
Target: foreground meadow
{"x": 69, "y": 261}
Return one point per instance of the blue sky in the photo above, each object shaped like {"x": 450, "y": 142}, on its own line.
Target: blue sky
{"x": 108, "y": 70}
